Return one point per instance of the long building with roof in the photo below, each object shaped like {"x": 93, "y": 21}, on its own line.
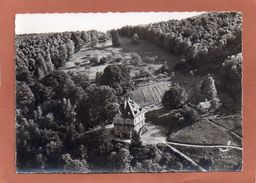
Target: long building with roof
{"x": 131, "y": 117}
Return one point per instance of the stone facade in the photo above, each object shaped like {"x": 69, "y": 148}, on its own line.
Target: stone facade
{"x": 131, "y": 117}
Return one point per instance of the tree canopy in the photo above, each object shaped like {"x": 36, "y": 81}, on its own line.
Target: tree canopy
{"x": 205, "y": 41}
{"x": 117, "y": 77}
{"x": 175, "y": 97}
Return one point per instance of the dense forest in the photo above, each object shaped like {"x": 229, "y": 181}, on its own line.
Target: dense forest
{"x": 208, "y": 43}
{"x": 203, "y": 41}
{"x": 37, "y": 55}
{"x": 55, "y": 109}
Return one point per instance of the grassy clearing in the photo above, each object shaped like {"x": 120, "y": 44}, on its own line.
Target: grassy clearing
{"x": 148, "y": 52}
{"x": 152, "y": 57}
{"x": 204, "y": 132}
{"x": 231, "y": 122}
{"x": 101, "y": 50}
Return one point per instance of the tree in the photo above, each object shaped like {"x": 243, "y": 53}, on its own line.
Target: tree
{"x": 102, "y": 104}
{"x": 134, "y": 39}
{"x": 86, "y": 36}
{"x": 115, "y": 38}
{"x": 71, "y": 137}
{"x": 209, "y": 92}
{"x": 175, "y": 97}
{"x": 231, "y": 74}
{"x": 24, "y": 95}
{"x": 40, "y": 161}
{"x": 77, "y": 41}
{"x": 208, "y": 88}
{"x": 117, "y": 77}
{"x": 68, "y": 111}
{"x": 42, "y": 93}
{"x": 63, "y": 54}
{"x": 80, "y": 79}
{"x": 60, "y": 83}
{"x": 99, "y": 107}
{"x": 74, "y": 165}
{"x": 42, "y": 64}
{"x": 70, "y": 48}
{"x": 49, "y": 64}
{"x": 47, "y": 122}
{"x": 189, "y": 116}
{"x": 135, "y": 141}
{"x": 121, "y": 160}
{"x": 135, "y": 147}
{"x": 135, "y": 59}
{"x": 24, "y": 75}
{"x": 230, "y": 83}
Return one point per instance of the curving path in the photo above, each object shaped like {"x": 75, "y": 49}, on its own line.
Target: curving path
{"x": 233, "y": 133}
{"x": 203, "y": 146}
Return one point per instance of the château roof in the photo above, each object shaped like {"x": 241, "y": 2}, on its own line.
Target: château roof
{"x": 130, "y": 109}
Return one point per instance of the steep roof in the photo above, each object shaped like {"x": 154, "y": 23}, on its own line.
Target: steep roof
{"x": 130, "y": 109}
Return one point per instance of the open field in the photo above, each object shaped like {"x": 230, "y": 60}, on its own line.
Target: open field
{"x": 84, "y": 54}
{"x": 204, "y": 132}
{"x": 148, "y": 52}
{"x": 230, "y": 122}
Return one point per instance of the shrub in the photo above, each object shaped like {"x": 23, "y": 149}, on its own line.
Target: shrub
{"x": 94, "y": 60}
{"x": 135, "y": 59}
{"x": 103, "y": 60}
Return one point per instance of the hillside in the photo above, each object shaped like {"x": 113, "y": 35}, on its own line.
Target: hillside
{"x": 207, "y": 39}
{"x": 186, "y": 74}
{"x": 204, "y": 44}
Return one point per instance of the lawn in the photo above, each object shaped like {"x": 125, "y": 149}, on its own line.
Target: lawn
{"x": 204, "y": 132}
{"x": 230, "y": 122}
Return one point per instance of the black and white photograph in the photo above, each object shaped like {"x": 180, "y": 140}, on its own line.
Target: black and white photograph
{"x": 128, "y": 92}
